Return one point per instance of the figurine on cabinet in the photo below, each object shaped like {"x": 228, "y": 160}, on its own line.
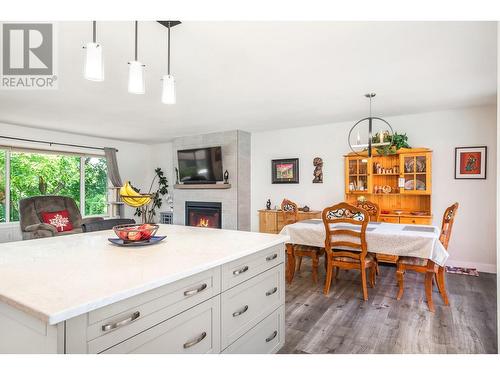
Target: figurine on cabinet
{"x": 268, "y": 204}
{"x": 318, "y": 171}
{"x": 226, "y": 177}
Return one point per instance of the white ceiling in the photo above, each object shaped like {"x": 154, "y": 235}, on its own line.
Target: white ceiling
{"x": 260, "y": 75}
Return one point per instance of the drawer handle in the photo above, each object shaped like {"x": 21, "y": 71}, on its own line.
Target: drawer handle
{"x": 192, "y": 292}
{"x": 271, "y": 257}
{"x": 130, "y": 319}
{"x": 271, "y": 338}
{"x": 272, "y": 291}
{"x": 242, "y": 311}
{"x": 195, "y": 341}
{"x": 240, "y": 271}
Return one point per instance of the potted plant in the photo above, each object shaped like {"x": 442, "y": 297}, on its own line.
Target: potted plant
{"x": 396, "y": 142}
{"x": 148, "y": 212}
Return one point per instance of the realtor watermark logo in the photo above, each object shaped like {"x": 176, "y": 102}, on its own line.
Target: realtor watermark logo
{"x": 28, "y": 56}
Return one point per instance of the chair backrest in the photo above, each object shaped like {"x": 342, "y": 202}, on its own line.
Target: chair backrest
{"x": 351, "y": 236}
{"x": 372, "y": 208}
{"x": 30, "y": 209}
{"x": 289, "y": 210}
{"x": 447, "y": 225}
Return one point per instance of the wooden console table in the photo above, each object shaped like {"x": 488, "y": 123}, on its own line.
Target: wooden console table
{"x": 271, "y": 221}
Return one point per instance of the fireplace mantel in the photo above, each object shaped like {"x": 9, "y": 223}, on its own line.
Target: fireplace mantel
{"x": 202, "y": 186}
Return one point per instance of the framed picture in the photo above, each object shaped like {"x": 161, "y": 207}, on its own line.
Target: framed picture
{"x": 470, "y": 163}
{"x": 285, "y": 171}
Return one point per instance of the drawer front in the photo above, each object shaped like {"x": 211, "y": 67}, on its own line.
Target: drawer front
{"x": 389, "y": 219}
{"x": 240, "y": 270}
{"x": 195, "y": 331}
{"x": 106, "y": 327}
{"x": 415, "y": 220}
{"x": 243, "y": 306}
{"x": 265, "y": 338}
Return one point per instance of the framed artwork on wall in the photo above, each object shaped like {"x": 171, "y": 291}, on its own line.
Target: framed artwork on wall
{"x": 285, "y": 171}
{"x": 470, "y": 163}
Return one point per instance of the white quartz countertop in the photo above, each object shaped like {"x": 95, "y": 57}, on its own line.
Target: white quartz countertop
{"x": 55, "y": 279}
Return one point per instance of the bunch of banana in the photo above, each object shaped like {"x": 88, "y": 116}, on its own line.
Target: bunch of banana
{"x": 133, "y": 198}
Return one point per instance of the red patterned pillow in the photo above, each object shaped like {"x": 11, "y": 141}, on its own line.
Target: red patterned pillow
{"x": 59, "y": 219}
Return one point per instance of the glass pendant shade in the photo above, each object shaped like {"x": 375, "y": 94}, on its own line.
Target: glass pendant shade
{"x": 136, "y": 78}
{"x": 94, "y": 66}
{"x": 168, "y": 89}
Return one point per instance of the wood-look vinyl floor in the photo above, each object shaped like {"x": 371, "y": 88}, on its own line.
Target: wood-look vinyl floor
{"x": 343, "y": 323}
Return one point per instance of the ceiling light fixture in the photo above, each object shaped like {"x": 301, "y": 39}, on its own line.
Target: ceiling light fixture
{"x": 94, "y": 65}
{"x": 384, "y": 131}
{"x": 168, "y": 85}
{"x": 136, "y": 83}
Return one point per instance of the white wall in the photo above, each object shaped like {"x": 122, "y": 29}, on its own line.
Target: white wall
{"x": 134, "y": 159}
{"x": 473, "y": 241}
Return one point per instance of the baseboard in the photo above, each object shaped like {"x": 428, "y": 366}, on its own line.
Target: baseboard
{"x": 481, "y": 267}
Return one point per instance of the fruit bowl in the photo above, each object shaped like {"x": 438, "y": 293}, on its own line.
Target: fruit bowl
{"x": 135, "y": 233}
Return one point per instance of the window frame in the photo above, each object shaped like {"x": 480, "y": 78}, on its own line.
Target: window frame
{"x": 9, "y": 149}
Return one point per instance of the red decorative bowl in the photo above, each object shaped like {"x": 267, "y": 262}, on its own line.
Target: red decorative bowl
{"x": 135, "y": 233}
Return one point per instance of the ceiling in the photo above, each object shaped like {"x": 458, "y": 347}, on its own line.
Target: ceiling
{"x": 260, "y": 75}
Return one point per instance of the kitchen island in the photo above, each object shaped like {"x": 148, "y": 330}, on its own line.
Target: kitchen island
{"x": 200, "y": 290}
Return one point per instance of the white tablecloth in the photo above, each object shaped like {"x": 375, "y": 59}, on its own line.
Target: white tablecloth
{"x": 420, "y": 241}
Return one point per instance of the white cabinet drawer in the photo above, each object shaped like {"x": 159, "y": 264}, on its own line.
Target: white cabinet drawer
{"x": 243, "y": 306}
{"x": 266, "y": 337}
{"x": 240, "y": 270}
{"x": 117, "y": 322}
{"x": 194, "y": 331}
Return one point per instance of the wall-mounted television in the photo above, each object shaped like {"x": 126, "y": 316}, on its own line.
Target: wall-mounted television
{"x": 200, "y": 165}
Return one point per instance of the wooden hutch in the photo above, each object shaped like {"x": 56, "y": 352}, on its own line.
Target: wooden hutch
{"x": 399, "y": 183}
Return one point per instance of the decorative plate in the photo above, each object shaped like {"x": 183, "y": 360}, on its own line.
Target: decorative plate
{"x": 409, "y": 166}
{"x": 410, "y": 184}
{"x": 420, "y": 166}
{"x": 151, "y": 241}
{"x": 386, "y": 189}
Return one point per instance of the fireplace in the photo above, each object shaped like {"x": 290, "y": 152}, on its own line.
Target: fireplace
{"x": 204, "y": 214}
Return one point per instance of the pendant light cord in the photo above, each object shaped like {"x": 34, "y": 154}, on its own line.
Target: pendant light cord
{"x": 94, "y": 31}
{"x": 135, "y": 41}
{"x": 168, "y": 49}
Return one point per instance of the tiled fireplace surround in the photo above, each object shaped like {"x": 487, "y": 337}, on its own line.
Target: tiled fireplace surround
{"x": 236, "y": 160}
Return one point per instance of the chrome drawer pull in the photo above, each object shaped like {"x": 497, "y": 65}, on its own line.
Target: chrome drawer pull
{"x": 242, "y": 311}
{"x": 271, "y": 257}
{"x": 130, "y": 319}
{"x": 195, "y": 341}
{"x": 271, "y": 338}
{"x": 272, "y": 291}
{"x": 192, "y": 292}
{"x": 240, "y": 271}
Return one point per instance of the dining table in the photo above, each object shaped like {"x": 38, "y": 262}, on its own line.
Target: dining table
{"x": 413, "y": 240}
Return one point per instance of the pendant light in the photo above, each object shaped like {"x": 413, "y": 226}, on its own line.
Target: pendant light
{"x": 136, "y": 72}
{"x": 168, "y": 86}
{"x": 356, "y": 146}
{"x": 94, "y": 65}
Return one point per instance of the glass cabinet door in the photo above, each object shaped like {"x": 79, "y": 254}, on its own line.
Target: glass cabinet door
{"x": 358, "y": 175}
{"x": 415, "y": 169}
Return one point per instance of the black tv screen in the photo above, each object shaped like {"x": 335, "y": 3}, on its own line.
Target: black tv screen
{"x": 201, "y": 165}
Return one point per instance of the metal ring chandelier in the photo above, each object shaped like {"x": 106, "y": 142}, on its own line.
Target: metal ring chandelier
{"x": 370, "y": 120}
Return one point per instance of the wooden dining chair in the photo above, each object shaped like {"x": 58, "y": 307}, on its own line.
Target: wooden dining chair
{"x": 290, "y": 211}
{"x": 371, "y": 207}
{"x": 346, "y": 246}
{"x": 428, "y": 267}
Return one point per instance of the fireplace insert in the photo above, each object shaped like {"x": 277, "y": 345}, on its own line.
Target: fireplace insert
{"x": 204, "y": 214}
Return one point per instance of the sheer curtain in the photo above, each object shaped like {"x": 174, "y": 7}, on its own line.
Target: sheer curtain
{"x": 114, "y": 177}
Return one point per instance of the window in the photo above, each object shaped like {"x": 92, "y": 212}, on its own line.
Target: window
{"x": 27, "y": 173}
{"x": 96, "y": 186}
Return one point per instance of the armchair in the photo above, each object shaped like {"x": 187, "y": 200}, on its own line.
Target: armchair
{"x": 31, "y": 209}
